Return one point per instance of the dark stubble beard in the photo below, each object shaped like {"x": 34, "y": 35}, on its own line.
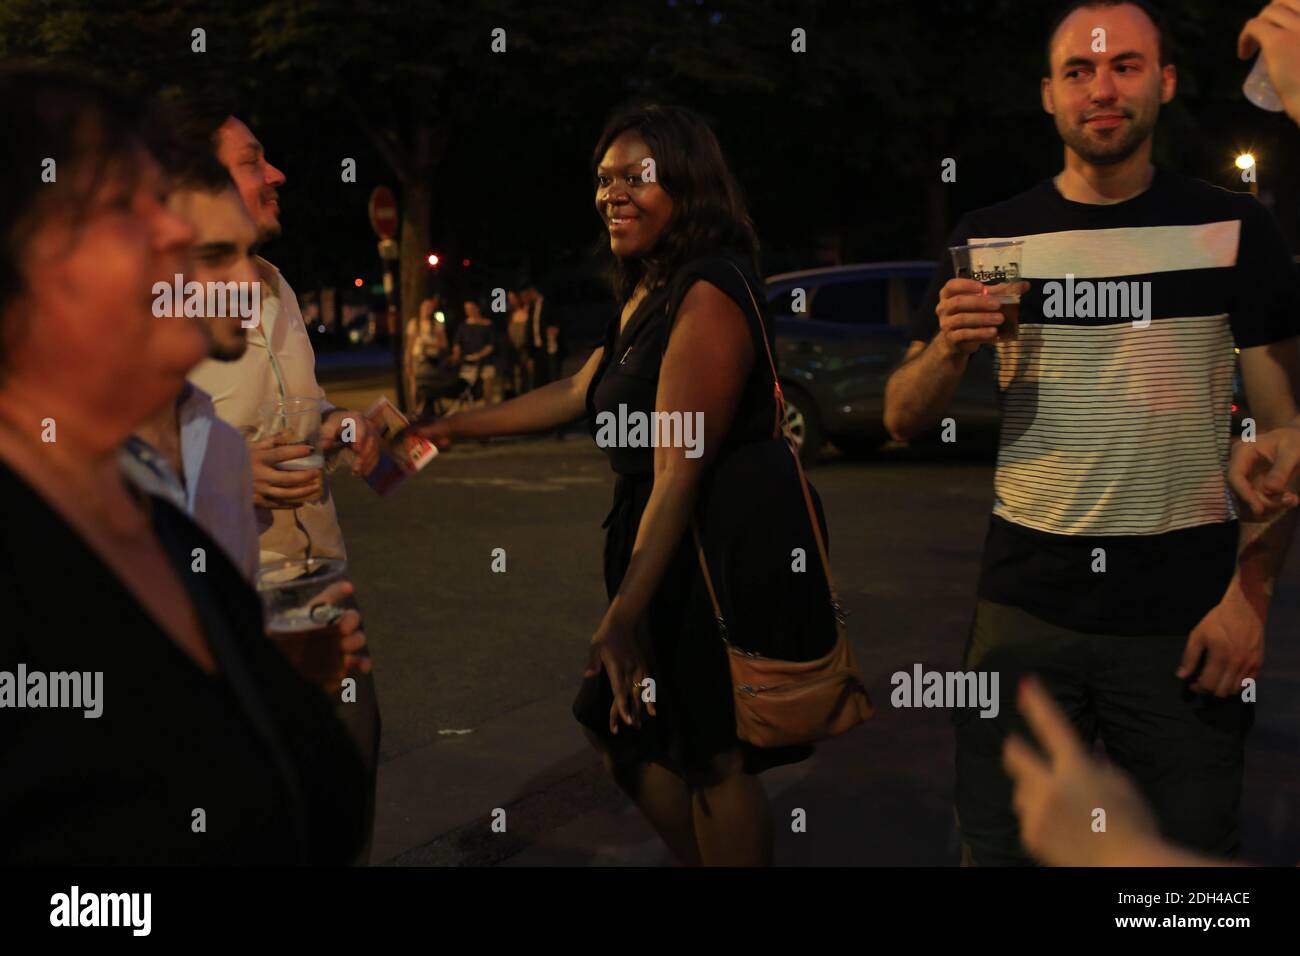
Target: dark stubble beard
{"x": 1113, "y": 151}
{"x": 227, "y": 351}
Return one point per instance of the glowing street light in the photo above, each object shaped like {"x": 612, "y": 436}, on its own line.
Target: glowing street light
{"x": 1249, "y": 171}
{"x": 433, "y": 260}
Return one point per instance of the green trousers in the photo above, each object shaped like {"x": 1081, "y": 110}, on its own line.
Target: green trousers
{"x": 1184, "y": 750}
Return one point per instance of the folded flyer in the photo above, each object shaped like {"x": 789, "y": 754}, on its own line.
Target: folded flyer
{"x": 399, "y": 458}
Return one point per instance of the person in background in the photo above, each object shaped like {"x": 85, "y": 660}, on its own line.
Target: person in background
{"x": 520, "y": 360}
{"x": 295, "y": 510}
{"x": 473, "y": 348}
{"x": 554, "y": 354}
{"x": 536, "y": 342}
{"x": 427, "y": 351}
{"x": 193, "y": 699}
{"x": 1265, "y": 473}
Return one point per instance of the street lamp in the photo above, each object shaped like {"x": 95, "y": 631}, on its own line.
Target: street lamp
{"x": 1249, "y": 171}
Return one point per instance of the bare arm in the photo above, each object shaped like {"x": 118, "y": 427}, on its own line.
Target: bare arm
{"x": 1271, "y": 376}
{"x": 542, "y": 409}
{"x": 1231, "y": 635}
{"x": 709, "y": 357}
{"x": 920, "y": 390}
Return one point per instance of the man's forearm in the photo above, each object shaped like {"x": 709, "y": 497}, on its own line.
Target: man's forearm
{"x": 1261, "y": 548}
{"x": 921, "y": 389}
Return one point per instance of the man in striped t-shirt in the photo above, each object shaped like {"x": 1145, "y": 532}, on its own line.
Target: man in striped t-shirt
{"x": 1115, "y": 565}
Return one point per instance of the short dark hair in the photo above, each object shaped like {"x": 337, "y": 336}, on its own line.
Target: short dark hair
{"x": 184, "y": 147}
{"x": 185, "y": 143}
{"x": 200, "y": 170}
{"x": 1153, "y": 14}
{"x": 709, "y": 214}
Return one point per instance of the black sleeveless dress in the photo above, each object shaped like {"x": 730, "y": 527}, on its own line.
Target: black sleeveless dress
{"x": 751, "y": 518}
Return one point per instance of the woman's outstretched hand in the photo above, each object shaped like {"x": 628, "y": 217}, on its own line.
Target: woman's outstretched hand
{"x": 613, "y": 647}
{"x": 435, "y": 430}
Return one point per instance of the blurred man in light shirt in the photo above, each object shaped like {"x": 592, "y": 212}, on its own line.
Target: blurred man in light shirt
{"x": 295, "y": 510}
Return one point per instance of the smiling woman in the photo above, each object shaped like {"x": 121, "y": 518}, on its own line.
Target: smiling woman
{"x": 690, "y": 343}
{"x": 665, "y": 195}
{"x": 692, "y": 340}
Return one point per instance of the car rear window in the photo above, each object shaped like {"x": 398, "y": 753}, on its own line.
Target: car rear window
{"x": 856, "y": 302}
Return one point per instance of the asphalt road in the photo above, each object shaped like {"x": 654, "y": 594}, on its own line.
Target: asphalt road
{"x": 476, "y": 670}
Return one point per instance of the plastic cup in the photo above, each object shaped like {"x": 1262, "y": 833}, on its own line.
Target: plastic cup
{"x": 302, "y": 601}
{"x": 1259, "y": 88}
{"x": 998, "y": 267}
{"x": 294, "y": 421}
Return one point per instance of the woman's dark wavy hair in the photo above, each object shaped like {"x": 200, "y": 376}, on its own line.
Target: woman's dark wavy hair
{"x": 709, "y": 214}
{"x": 90, "y": 129}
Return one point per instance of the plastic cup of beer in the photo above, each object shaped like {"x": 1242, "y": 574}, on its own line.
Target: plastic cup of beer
{"x": 294, "y": 421}
{"x": 1259, "y": 88}
{"x": 998, "y": 266}
{"x": 302, "y": 601}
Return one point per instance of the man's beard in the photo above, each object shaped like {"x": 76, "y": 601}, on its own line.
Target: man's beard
{"x": 1108, "y": 152}
{"x": 227, "y": 351}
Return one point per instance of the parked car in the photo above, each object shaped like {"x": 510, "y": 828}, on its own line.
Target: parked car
{"x": 835, "y": 354}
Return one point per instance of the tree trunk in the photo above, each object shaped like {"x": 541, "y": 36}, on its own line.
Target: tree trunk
{"x": 415, "y": 207}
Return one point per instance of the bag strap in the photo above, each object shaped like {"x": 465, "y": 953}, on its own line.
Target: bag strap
{"x": 778, "y": 431}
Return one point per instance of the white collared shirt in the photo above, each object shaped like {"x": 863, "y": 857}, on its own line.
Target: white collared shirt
{"x": 216, "y": 489}
{"x": 239, "y": 389}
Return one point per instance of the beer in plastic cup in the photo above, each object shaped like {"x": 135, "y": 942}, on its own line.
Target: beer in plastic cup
{"x": 302, "y": 600}
{"x": 998, "y": 266}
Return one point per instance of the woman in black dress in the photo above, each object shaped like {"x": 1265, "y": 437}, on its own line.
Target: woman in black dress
{"x": 207, "y": 747}
{"x": 657, "y": 696}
